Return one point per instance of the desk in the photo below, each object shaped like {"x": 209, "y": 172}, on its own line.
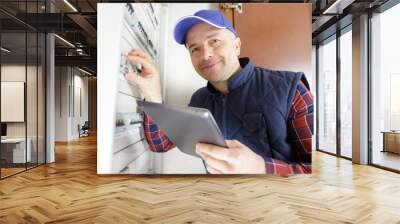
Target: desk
{"x": 391, "y": 141}
{"x": 13, "y": 150}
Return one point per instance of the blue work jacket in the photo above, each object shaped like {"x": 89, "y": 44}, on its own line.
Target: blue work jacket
{"x": 255, "y": 111}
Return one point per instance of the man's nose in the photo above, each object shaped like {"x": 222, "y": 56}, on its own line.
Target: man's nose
{"x": 207, "y": 53}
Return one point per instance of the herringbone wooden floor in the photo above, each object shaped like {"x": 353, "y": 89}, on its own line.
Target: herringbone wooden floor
{"x": 70, "y": 191}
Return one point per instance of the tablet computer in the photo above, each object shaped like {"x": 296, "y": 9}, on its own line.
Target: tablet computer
{"x": 185, "y": 126}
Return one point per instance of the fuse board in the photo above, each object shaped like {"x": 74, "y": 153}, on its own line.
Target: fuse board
{"x": 133, "y": 26}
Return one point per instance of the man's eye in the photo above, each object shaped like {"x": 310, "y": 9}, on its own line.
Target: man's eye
{"x": 194, "y": 49}
{"x": 214, "y": 41}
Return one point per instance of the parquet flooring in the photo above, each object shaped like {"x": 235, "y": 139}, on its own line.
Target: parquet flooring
{"x": 10, "y": 171}
{"x": 70, "y": 191}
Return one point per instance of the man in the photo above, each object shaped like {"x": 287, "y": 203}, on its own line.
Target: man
{"x": 268, "y": 114}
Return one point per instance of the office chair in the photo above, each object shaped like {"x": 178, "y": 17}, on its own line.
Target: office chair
{"x": 84, "y": 130}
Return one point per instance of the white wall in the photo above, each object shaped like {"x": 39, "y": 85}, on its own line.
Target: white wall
{"x": 181, "y": 78}
{"x": 180, "y": 82}
{"x": 61, "y": 103}
{"x": 80, "y": 83}
{"x": 67, "y": 82}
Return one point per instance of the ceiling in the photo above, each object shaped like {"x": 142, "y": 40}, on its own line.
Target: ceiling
{"x": 77, "y": 23}
{"x": 332, "y": 15}
{"x": 77, "y": 26}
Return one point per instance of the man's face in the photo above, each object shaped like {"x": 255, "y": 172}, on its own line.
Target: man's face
{"x": 214, "y": 52}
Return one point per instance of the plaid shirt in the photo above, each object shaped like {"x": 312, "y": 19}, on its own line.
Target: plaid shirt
{"x": 300, "y": 129}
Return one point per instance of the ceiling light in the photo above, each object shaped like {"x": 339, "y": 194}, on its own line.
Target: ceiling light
{"x": 5, "y": 50}
{"x": 337, "y": 7}
{"x": 70, "y": 5}
{"x": 64, "y": 40}
{"x": 86, "y": 72}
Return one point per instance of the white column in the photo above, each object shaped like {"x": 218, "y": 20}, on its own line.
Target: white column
{"x": 50, "y": 99}
{"x": 360, "y": 90}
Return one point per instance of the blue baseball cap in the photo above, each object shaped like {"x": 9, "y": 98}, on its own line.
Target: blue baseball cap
{"x": 212, "y": 17}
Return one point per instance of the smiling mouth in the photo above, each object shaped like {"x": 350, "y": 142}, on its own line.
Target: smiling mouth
{"x": 208, "y": 66}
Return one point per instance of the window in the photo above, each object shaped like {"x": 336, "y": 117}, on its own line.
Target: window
{"x": 327, "y": 97}
{"x": 346, "y": 94}
{"x": 385, "y": 88}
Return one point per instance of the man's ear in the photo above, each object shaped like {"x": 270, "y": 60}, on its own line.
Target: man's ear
{"x": 238, "y": 44}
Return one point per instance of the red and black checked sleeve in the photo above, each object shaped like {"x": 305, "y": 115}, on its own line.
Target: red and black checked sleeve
{"x": 156, "y": 138}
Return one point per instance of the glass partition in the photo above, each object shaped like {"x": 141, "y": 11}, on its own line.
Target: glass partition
{"x": 13, "y": 105}
{"x": 41, "y": 91}
{"x": 327, "y": 96}
{"x": 22, "y": 67}
{"x": 31, "y": 100}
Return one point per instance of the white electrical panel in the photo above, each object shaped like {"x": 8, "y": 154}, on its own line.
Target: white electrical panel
{"x": 121, "y": 145}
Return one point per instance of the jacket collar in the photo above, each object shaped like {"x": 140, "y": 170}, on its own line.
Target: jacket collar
{"x": 237, "y": 79}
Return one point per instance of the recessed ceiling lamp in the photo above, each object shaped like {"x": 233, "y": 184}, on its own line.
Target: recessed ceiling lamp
{"x": 79, "y": 51}
{"x": 65, "y": 41}
{"x": 5, "y": 50}
{"x": 70, "y": 5}
{"x": 84, "y": 71}
{"x": 337, "y": 7}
